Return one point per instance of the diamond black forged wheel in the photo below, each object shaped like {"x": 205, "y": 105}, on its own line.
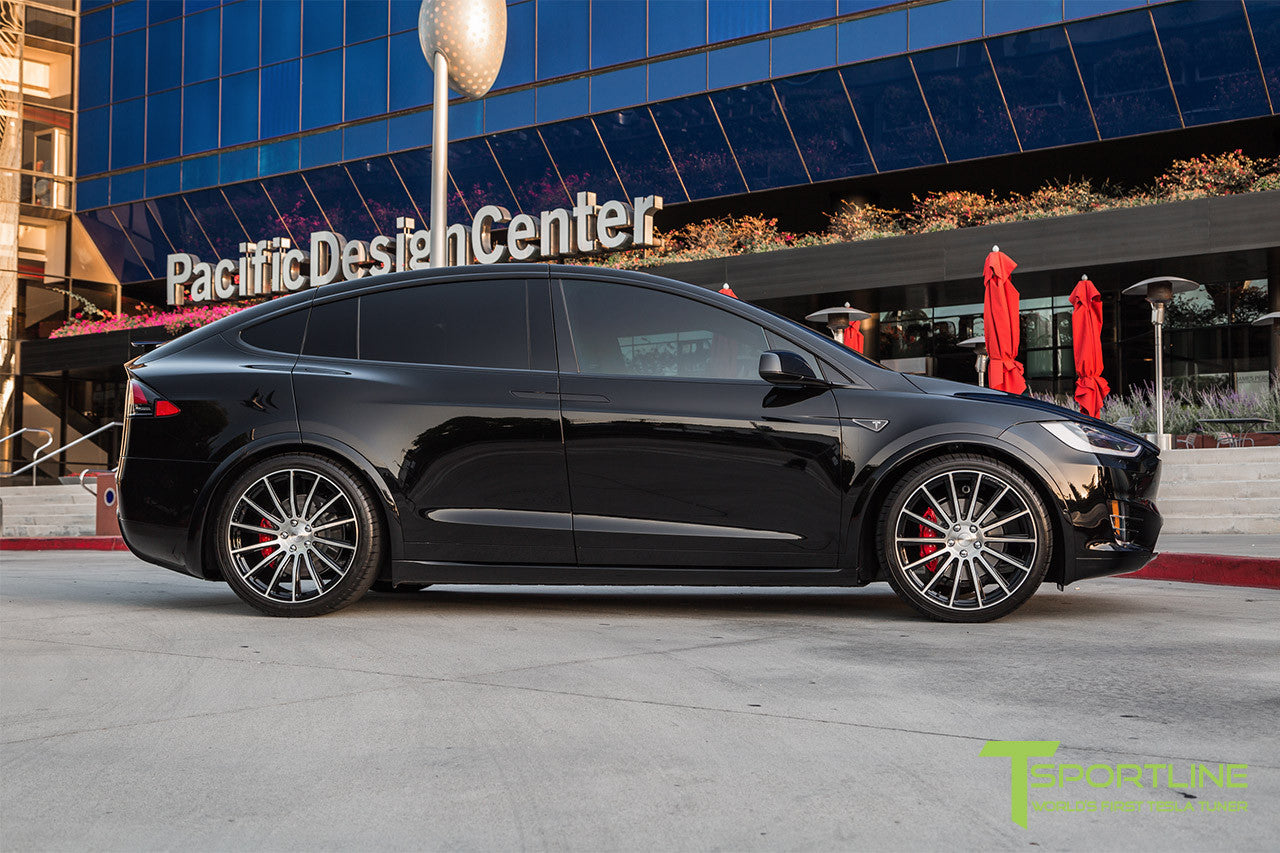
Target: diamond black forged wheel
{"x": 298, "y": 535}
{"x": 965, "y": 539}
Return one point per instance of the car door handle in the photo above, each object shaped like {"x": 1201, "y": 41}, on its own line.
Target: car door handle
{"x": 534, "y": 395}
{"x": 584, "y": 398}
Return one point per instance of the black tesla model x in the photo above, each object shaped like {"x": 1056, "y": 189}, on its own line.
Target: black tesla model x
{"x": 573, "y": 425}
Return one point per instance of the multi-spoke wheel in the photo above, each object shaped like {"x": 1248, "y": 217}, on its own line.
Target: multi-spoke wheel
{"x": 965, "y": 539}
{"x": 298, "y": 536}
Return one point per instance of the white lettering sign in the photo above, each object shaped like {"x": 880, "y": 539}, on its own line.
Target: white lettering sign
{"x": 275, "y": 266}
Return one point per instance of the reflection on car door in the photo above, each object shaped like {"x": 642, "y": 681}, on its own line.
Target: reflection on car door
{"x": 679, "y": 455}
{"x": 451, "y": 390}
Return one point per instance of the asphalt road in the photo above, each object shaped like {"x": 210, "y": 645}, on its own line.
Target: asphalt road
{"x": 145, "y": 710}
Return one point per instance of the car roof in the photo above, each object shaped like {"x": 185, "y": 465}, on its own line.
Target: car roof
{"x": 849, "y": 362}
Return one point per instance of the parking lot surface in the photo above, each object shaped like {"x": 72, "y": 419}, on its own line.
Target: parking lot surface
{"x": 143, "y": 710}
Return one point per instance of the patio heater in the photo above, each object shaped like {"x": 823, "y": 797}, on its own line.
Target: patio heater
{"x": 838, "y": 319}
{"x": 978, "y": 344}
{"x": 1272, "y": 320}
{"x": 1159, "y": 291}
{"x": 463, "y": 41}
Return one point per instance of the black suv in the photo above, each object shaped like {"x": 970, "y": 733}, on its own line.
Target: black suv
{"x": 573, "y": 425}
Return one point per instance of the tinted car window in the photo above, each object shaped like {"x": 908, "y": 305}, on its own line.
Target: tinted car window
{"x": 777, "y": 343}
{"x": 463, "y": 323}
{"x": 625, "y": 330}
{"x": 331, "y": 331}
{"x": 279, "y": 334}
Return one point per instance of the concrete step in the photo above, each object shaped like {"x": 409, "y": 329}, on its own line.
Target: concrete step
{"x": 64, "y": 489}
{"x": 45, "y": 531}
{"x": 1251, "y": 524}
{"x": 46, "y": 511}
{"x": 1218, "y": 490}
{"x": 1243, "y": 470}
{"x": 61, "y": 498}
{"x": 60, "y": 515}
{"x": 1195, "y": 506}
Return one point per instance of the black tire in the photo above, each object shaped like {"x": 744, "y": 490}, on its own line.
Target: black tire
{"x": 290, "y": 568}
{"x": 983, "y": 569}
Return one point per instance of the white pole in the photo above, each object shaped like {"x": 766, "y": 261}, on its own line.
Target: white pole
{"x": 1157, "y": 318}
{"x": 440, "y": 163}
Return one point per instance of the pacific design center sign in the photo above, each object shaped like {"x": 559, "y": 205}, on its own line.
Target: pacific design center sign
{"x": 276, "y": 266}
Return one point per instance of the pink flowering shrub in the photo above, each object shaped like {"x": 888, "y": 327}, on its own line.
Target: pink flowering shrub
{"x": 1209, "y": 174}
{"x": 174, "y": 320}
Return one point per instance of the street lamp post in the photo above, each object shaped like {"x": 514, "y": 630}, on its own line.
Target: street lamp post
{"x": 978, "y": 344}
{"x": 1159, "y": 291}
{"x": 463, "y": 41}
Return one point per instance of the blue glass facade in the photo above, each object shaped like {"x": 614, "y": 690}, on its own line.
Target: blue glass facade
{"x": 207, "y": 124}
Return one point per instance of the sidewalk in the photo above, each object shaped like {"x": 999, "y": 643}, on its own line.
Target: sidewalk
{"x": 1264, "y": 545}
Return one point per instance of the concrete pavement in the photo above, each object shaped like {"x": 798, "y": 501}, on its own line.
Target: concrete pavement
{"x": 143, "y": 710}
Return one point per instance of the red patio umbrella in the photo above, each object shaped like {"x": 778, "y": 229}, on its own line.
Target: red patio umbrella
{"x": 1086, "y": 341}
{"x": 853, "y": 337}
{"x": 728, "y": 291}
{"x": 1001, "y": 325}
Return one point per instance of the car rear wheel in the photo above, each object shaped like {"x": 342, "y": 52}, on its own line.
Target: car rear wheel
{"x": 965, "y": 538}
{"x": 298, "y": 535}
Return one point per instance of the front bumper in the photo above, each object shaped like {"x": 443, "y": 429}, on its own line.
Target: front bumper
{"x": 1110, "y": 522}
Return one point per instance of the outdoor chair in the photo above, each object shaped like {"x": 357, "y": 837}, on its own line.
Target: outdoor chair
{"x": 1227, "y": 439}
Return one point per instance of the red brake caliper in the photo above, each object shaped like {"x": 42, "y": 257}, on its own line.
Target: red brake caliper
{"x": 264, "y": 538}
{"x": 927, "y": 532}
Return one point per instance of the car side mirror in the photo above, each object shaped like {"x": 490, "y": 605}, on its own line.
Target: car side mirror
{"x": 781, "y": 367}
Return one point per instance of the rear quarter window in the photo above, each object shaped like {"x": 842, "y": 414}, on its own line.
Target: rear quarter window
{"x": 331, "y": 331}
{"x": 279, "y": 334}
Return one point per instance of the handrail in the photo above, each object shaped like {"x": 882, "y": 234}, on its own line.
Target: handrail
{"x": 36, "y": 458}
{"x": 36, "y": 455}
{"x": 87, "y": 471}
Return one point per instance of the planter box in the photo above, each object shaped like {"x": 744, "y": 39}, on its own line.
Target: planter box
{"x": 1114, "y": 247}
{"x": 103, "y": 349}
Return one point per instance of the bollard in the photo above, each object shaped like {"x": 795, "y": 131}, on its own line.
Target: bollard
{"x": 106, "y": 523}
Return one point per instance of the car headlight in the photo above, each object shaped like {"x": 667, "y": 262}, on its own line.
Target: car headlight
{"x": 1092, "y": 439}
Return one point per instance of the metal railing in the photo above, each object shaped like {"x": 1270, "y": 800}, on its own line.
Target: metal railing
{"x": 36, "y": 458}
{"x": 48, "y": 440}
{"x": 87, "y": 471}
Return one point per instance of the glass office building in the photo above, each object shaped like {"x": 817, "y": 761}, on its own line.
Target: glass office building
{"x": 199, "y": 126}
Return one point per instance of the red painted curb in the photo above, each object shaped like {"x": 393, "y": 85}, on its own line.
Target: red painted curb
{"x": 63, "y": 543}
{"x": 1258, "y": 572}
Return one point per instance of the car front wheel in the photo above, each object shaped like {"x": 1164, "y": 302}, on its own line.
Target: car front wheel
{"x": 298, "y": 535}
{"x": 965, "y": 538}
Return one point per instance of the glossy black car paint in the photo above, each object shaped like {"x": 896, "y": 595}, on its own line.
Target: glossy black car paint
{"x": 553, "y": 476}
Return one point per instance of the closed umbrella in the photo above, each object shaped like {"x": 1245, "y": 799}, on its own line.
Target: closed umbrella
{"x": 1086, "y": 341}
{"x": 1000, "y": 324}
{"x": 853, "y": 337}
